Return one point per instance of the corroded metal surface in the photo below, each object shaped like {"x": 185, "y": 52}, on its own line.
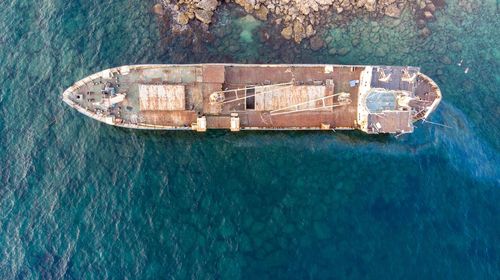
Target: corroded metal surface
{"x": 253, "y": 97}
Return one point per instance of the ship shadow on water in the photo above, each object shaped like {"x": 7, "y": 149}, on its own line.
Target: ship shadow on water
{"x": 348, "y": 136}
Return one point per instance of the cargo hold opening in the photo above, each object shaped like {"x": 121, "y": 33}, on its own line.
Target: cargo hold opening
{"x": 250, "y": 100}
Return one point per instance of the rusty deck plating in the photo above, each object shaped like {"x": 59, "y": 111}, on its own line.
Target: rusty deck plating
{"x": 374, "y": 99}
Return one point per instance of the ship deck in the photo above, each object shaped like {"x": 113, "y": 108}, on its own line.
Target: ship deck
{"x": 343, "y": 116}
{"x": 260, "y": 96}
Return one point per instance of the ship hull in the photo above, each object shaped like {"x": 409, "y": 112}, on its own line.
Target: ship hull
{"x": 374, "y": 99}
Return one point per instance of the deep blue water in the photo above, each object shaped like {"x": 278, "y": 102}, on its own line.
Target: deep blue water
{"x": 80, "y": 199}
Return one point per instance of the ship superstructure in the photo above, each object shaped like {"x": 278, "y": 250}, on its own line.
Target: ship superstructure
{"x": 374, "y": 99}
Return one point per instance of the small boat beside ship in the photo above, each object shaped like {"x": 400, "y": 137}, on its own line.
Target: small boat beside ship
{"x": 199, "y": 97}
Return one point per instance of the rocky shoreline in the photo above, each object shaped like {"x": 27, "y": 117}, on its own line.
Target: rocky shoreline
{"x": 299, "y": 19}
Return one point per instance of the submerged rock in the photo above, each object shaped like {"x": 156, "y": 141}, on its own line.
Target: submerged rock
{"x": 431, "y": 7}
{"x": 310, "y": 31}
{"x": 393, "y": 11}
{"x": 247, "y": 24}
{"x": 203, "y": 15}
{"x": 321, "y": 230}
{"x": 343, "y": 51}
{"x": 287, "y": 32}
{"x": 456, "y": 46}
{"x": 424, "y": 32}
{"x": 428, "y": 15}
{"x": 261, "y": 13}
{"x": 445, "y": 60}
{"x": 380, "y": 52}
{"x": 355, "y": 42}
{"x": 317, "y": 43}
{"x": 370, "y": 5}
{"x": 207, "y": 5}
{"x": 299, "y": 32}
{"x": 183, "y": 18}
{"x": 421, "y": 23}
{"x": 158, "y": 9}
{"x": 226, "y": 229}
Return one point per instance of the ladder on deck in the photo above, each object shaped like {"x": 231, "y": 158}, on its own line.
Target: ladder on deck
{"x": 344, "y": 99}
{"x": 219, "y": 97}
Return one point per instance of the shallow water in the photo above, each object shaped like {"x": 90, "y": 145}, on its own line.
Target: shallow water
{"x": 80, "y": 199}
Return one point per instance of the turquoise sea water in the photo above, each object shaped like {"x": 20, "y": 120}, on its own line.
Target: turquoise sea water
{"x": 80, "y": 199}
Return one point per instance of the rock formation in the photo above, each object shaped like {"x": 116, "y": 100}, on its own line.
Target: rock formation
{"x": 299, "y": 18}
